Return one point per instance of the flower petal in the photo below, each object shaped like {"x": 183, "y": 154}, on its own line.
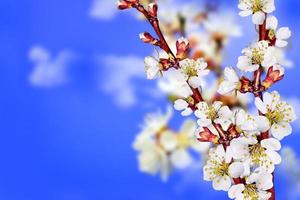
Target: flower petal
{"x": 236, "y": 191}
{"x": 258, "y": 18}
{"x": 271, "y": 23}
{"x": 181, "y": 159}
{"x": 236, "y": 169}
{"x": 180, "y": 104}
{"x": 222, "y": 183}
{"x": 271, "y": 144}
{"x": 281, "y": 130}
{"x": 260, "y": 105}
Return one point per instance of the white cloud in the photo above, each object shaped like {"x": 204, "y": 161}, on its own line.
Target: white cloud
{"x": 104, "y": 9}
{"x": 120, "y": 72}
{"x": 49, "y": 71}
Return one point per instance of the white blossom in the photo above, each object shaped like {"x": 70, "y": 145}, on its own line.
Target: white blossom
{"x": 219, "y": 168}
{"x": 193, "y": 71}
{"x": 279, "y": 114}
{"x": 258, "y": 8}
{"x": 223, "y": 25}
{"x": 216, "y": 113}
{"x": 263, "y": 154}
{"x": 259, "y": 53}
{"x": 256, "y": 187}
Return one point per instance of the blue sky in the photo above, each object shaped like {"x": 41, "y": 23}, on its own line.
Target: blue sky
{"x": 72, "y": 141}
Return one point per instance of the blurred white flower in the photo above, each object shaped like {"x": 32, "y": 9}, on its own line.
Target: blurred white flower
{"x": 222, "y": 24}
{"x": 161, "y": 150}
{"x": 154, "y": 160}
{"x": 170, "y": 14}
{"x": 49, "y": 71}
{"x": 174, "y": 83}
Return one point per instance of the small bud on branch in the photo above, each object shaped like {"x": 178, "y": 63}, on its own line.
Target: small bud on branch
{"x": 126, "y": 4}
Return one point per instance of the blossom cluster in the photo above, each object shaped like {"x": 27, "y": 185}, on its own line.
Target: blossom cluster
{"x": 243, "y": 147}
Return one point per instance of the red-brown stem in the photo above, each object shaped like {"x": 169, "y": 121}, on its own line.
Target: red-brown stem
{"x": 257, "y": 82}
{"x": 196, "y": 95}
{"x": 258, "y": 72}
{"x": 220, "y": 131}
{"x": 155, "y": 24}
{"x": 272, "y": 191}
{"x": 238, "y": 181}
{"x": 262, "y": 31}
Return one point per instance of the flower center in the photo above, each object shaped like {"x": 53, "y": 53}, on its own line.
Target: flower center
{"x": 221, "y": 169}
{"x": 211, "y": 113}
{"x": 257, "y": 56}
{"x": 275, "y": 116}
{"x": 257, "y": 152}
{"x": 272, "y": 34}
{"x": 257, "y": 5}
{"x": 250, "y": 192}
{"x": 190, "y": 70}
{"x": 183, "y": 140}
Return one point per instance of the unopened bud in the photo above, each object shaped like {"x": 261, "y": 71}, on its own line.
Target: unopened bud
{"x": 182, "y": 46}
{"x": 233, "y": 131}
{"x": 245, "y": 85}
{"x": 207, "y": 136}
{"x": 165, "y": 63}
{"x": 148, "y": 38}
{"x": 275, "y": 74}
{"x": 152, "y": 9}
{"x": 125, "y": 4}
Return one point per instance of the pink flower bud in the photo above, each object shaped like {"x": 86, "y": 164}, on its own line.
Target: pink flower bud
{"x": 182, "y": 46}
{"x": 275, "y": 74}
{"x": 246, "y": 85}
{"x": 152, "y": 9}
{"x": 148, "y": 38}
{"x": 207, "y": 136}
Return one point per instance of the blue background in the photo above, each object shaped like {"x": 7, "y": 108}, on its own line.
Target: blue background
{"x": 72, "y": 142}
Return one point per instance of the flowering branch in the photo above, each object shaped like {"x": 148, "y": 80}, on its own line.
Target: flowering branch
{"x": 182, "y": 45}
{"x": 245, "y": 148}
